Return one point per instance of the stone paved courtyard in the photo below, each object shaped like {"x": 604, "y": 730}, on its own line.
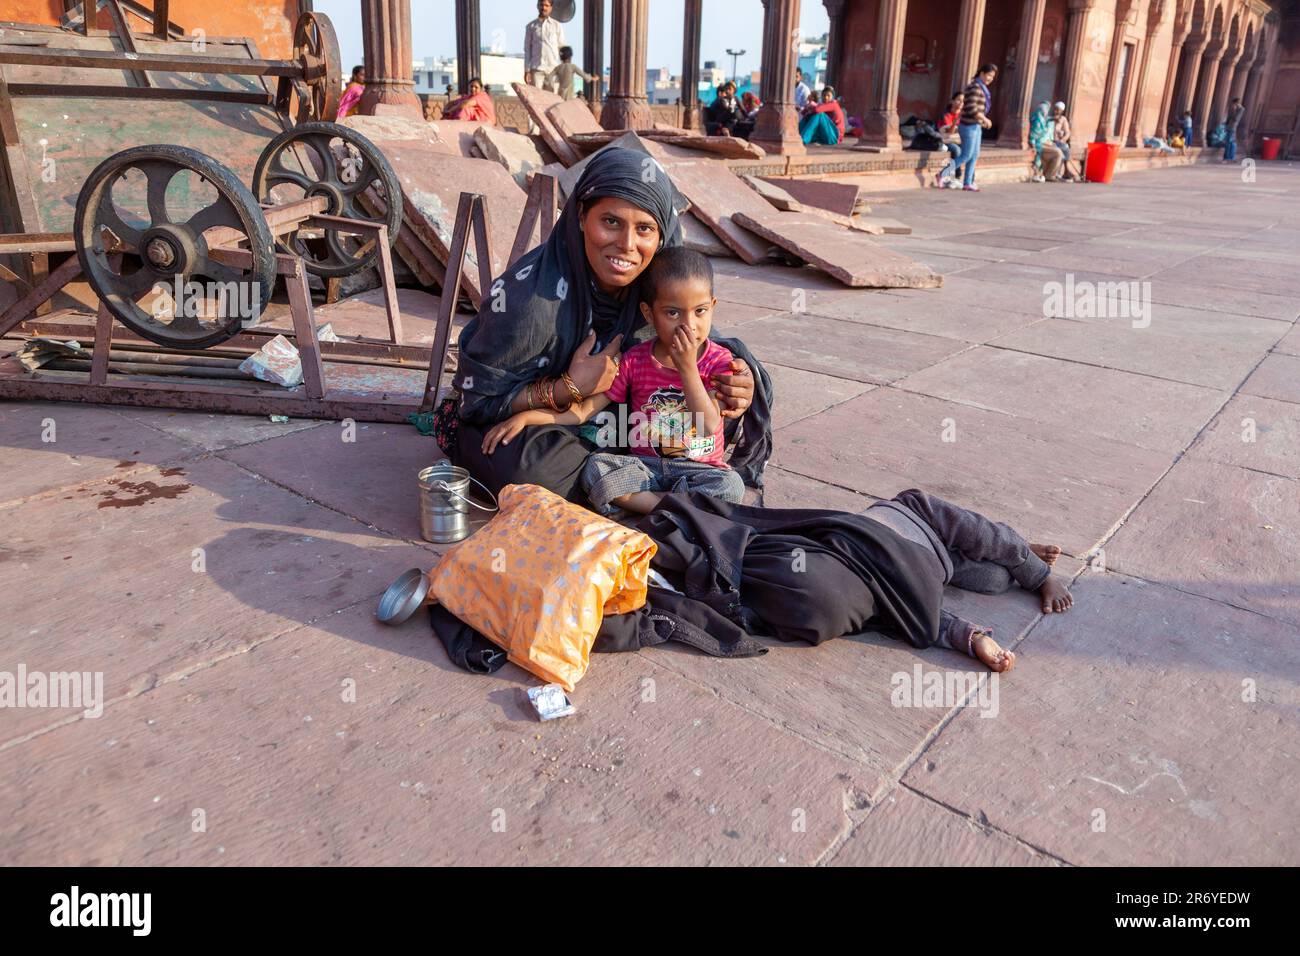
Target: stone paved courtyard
{"x": 1158, "y": 722}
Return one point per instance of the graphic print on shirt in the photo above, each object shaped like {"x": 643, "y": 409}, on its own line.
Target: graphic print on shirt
{"x": 670, "y": 425}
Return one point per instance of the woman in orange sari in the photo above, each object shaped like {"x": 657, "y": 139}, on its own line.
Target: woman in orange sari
{"x": 475, "y": 107}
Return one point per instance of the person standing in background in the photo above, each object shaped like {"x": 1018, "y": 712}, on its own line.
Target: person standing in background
{"x": 543, "y": 38}
{"x": 1235, "y": 112}
{"x": 977, "y": 102}
{"x": 561, "y": 78}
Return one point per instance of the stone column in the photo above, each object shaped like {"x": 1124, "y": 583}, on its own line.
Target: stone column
{"x": 1019, "y": 88}
{"x": 1155, "y": 18}
{"x": 966, "y": 50}
{"x": 1223, "y": 85}
{"x": 1182, "y": 26}
{"x": 468, "y": 46}
{"x": 1076, "y": 45}
{"x": 880, "y": 122}
{"x": 777, "y": 127}
{"x": 834, "y": 40}
{"x": 1106, "y": 121}
{"x": 626, "y": 106}
{"x": 691, "y": 66}
{"x": 1246, "y": 131}
{"x": 386, "y": 40}
{"x": 593, "y": 40}
{"x": 1185, "y": 96}
{"x": 1204, "y": 104}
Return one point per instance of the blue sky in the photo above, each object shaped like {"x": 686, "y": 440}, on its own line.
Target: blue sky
{"x": 737, "y": 24}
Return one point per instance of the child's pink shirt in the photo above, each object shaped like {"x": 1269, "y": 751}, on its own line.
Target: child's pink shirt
{"x": 655, "y": 390}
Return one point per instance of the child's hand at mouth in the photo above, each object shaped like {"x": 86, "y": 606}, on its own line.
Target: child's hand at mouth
{"x": 684, "y": 350}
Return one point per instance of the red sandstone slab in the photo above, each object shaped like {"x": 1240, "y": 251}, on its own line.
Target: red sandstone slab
{"x": 804, "y": 393}
{"x": 847, "y": 350}
{"x": 212, "y": 431}
{"x": 969, "y": 323}
{"x": 1290, "y": 343}
{"x": 785, "y": 489}
{"x": 1012, "y": 469}
{"x": 1220, "y": 531}
{"x": 848, "y": 255}
{"x": 572, "y": 116}
{"x": 537, "y": 101}
{"x": 1131, "y": 704}
{"x": 836, "y": 197}
{"x": 1205, "y": 295}
{"x": 1144, "y": 411}
{"x": 1150, "y": 351}
{"x": 724, "y": 147}
{"x": 1278, "y": 376}
{"x": 123, "y": 552}
{"x": 716, "y": 196}
{"x": 87, "y": 443}
{"x": 372, "y": 478}
{"x": 908, "y": 830}
{"x": 431, "y": 189}
{"x": 1256, "y": 433}
{"x": 422, "y": 764}
{"x": 792, "y": 289}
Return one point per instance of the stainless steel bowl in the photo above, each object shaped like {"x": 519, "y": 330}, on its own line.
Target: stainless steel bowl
{"x": 404, "y": 597}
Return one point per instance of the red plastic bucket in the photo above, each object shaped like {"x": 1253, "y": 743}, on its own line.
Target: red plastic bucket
{"x": 1101, "y": 162}
{"x": 1268, "y": 147}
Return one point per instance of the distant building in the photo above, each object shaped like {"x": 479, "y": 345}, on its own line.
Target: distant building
{"x": 499, "y": 70}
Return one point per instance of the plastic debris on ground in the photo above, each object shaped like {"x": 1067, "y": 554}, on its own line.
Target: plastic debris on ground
{"x": 550, "y": 701}
{"x": 277, "y": 361}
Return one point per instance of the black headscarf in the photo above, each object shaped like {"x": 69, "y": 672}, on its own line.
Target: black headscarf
{"x": 538, "y": 313}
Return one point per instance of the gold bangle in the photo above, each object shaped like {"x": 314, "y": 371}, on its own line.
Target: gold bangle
{"x": 573, "y": 389}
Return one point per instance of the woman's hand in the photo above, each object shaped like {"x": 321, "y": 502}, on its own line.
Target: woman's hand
{"x": 502, "y": 432}
{"x": 594, "y": 374}
{"x": 735, "y": 392}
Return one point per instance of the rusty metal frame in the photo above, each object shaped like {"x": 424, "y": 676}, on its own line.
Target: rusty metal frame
{"x": 317, "y": 399}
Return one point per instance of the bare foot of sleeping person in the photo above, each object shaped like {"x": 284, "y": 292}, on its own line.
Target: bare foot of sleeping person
{"x": 1048, "y": 552}
{"x": 993, "y": 655}
{"x": 1056, "y": 596}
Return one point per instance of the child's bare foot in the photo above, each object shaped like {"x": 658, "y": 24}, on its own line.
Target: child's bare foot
{"x": 992, "y": 654}
{"x": 1048, "y": 552}
{"x": 1056, "y": 596}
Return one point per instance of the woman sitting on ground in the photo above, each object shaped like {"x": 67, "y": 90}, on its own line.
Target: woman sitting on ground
{"x": 1047, "y": 157}
{"x": 551, "y": 332}
{"x": 474, "y": 107}
{"x": 823, "y": 122}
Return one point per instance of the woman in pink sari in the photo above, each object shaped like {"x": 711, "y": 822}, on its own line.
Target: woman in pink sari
{"x": 476, "y": 107}
{"x": 352, "y": 94}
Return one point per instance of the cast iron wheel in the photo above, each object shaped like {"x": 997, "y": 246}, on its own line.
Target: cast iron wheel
{"x": 126, "y": 262}
{"x": 326, "y": 159}
{"x": 316, "y": 48}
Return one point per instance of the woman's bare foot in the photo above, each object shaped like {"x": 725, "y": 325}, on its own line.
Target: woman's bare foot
{"x": 1048, "y": 552}
{"x": 1056, "y": 596}
{"x": 992, "y": 654}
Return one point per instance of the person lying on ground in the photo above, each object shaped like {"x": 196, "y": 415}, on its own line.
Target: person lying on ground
{"x": 677, "y": 442}
{"x": 974, "y": 554}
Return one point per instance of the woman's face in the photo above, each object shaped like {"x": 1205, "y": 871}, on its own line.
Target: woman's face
{"x": 620, "y": 239}
{"x": 475, "y": 88}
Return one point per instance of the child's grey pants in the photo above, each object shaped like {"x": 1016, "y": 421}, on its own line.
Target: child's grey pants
{"x": 607, "y": 476}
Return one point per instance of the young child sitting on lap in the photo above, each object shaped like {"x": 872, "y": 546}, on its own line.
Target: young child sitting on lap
{"x": 677, "y": 441}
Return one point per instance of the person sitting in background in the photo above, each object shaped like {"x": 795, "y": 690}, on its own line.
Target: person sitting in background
{"x": 823, "y": 122}
{"x": 1061, "y": 139}
{"x": 722, "y": 116}
{"x": 1047, "y": 156}
{"x": 352, "y": 92}
{"x": 1176, "y": 138}
{"x": 951, "y": 141}
{"x": 750, "y": 105}
{"x": 802, "y": 92}
{"x": 561, "y": 78}
{"x": 474, "y": 107}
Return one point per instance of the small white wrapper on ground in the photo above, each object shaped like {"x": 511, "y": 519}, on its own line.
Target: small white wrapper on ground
{"x": 550, "y": 701}
{"x": 277, "y": 361}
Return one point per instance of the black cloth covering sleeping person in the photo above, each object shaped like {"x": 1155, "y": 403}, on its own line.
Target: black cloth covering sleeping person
{"x": 740, "y": 572}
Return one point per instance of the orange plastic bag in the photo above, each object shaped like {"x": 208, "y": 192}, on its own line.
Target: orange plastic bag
{"x": 539, "y": 577}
